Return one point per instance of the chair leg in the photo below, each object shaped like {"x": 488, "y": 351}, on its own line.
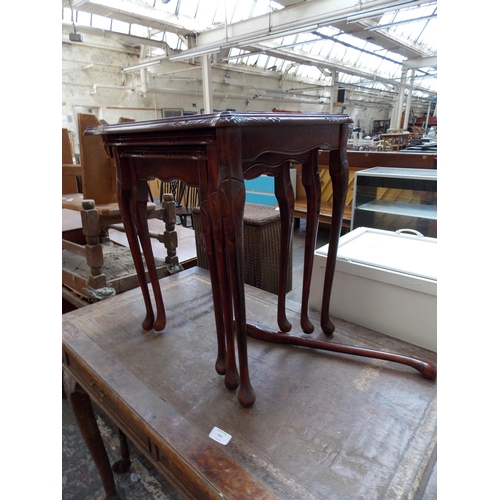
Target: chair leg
{"x": 170, "y": 235}
{"x": 94, "y": 253}
{"x": 151, "y": 197}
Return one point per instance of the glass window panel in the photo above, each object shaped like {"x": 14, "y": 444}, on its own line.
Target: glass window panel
{"x": 82, "y": 18}
{"x": 252, "y": 60}
{"x": 174, "y": 41}
{"x": 66, "y": 17}
{"x": 157, "y": 36}
{"x": 120, "y": 26}
{"x": 138, "y": 30}
{"x": 101, "y": 22}
{"x": 188, "y": 8}
{"x": 205, "y": 11}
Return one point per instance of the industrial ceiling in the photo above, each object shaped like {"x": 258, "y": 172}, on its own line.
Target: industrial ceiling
{"x": 373, "y": 47}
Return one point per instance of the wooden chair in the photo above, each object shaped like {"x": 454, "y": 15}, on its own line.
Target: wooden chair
{"x": 71, "y": 172}
{"x": 186, "y": 198}
{"x": 98, "y": 206}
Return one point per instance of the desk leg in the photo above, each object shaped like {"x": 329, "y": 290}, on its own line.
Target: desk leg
{"x": 284, "y": 193}
{"x": 339, "y": 173}
{"x": 141, "y": 220}
{"x": 122, "y": 465}
{"x": 86, "y": 421}
{"x": 124, "y": 196}
{"x": 312, "y": 187}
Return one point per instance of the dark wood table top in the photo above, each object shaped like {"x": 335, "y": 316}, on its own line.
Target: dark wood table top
{"x": 325, "y": 425}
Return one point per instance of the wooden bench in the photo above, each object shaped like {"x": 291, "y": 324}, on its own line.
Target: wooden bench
{"x": 358, "y": 160}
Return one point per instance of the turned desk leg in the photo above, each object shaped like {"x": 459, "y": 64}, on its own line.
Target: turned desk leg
{"x": 86, "y": 421}
{"x": 122, "y": 465}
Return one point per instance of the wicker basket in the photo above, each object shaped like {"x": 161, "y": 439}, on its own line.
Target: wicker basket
{"x": 261, "y": 233}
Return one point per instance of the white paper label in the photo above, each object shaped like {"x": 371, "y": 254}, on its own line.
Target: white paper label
{"x": 220, "y": 436}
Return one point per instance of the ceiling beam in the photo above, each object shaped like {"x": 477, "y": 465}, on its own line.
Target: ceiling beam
{"x": 313, "y": 60}
{"x": 297, "y": 18}
{"x": 305, "y": 17}
{"x": 136, "y": 13}
{"x": 422, "y": 62}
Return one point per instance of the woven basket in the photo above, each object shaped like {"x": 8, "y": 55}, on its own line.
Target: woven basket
{"x": 261, "y": 233}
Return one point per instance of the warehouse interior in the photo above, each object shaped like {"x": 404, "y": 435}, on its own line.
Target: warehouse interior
{"x": 374, "y": 61}
{"x": 194, "y": 57}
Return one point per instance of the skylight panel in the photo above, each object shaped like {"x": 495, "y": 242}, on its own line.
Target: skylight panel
{"x": 174, "y": 42}
{"x": 205, "y": 12}
{"x": 101, "y": 22}
{"x": 252, "y": 60}
{"x": 120, "y": 26}
{"x": 189, "y": 8}
{"x": 310, "y": 72}
{"x": 237, "y": 10}
{"x": 66, "y": 15}
{"x": 82, "y": 18}
{"x": 415, "y": 24}
{"x": 271, "y": 63}
{"x": 138, "y": 30}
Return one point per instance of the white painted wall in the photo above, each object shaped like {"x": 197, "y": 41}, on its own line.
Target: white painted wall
{"x": 92, "y": 81}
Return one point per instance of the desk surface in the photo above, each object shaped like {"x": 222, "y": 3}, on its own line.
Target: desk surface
{"x": 324, "y": 425}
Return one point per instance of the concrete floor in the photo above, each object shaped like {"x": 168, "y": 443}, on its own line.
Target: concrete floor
{"x": 80, "y": 480}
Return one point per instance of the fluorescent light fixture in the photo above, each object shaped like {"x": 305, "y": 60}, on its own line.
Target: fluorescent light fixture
{"x": 187, "y": 54}
{"x": 145, "y": 64}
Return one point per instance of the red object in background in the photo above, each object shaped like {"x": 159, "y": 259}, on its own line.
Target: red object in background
{"x": 421, "y": 121}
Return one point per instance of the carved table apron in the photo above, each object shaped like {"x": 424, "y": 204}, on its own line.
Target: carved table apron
{"x": 216, "y": 152}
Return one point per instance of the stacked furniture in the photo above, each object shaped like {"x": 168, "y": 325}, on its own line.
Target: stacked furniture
{"x": 90, "y": 266}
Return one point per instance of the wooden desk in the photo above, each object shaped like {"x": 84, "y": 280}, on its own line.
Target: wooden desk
{"x": 216, "y": 152}
{"x": 325, "y": 425}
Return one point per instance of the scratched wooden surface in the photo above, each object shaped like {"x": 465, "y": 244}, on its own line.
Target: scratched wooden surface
{"x": 324, "y": 425}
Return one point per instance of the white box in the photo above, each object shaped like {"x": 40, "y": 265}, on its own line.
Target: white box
{"x": 385, "y": 281}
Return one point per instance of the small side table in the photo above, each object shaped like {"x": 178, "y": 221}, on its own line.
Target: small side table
{"x": 216, "y": 152}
